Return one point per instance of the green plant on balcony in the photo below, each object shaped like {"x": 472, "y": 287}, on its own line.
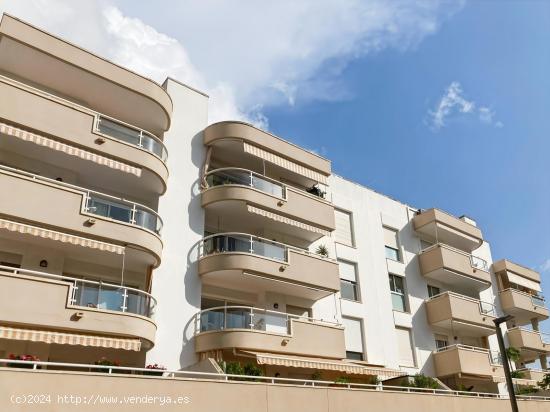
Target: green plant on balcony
{"x": 235, "y": 368}
{"x": 526, "y": 390}
{"x": 342, "y": 380}
{"x": 421, "y": 381}
{"x": 513, "y": 354}
{"x": 544, "y": 383}
{"x": 517, "y": 374}
{"x": 103, "y": 361}
{"x": 317, "y": 376}
{"x": 322, "y": 250}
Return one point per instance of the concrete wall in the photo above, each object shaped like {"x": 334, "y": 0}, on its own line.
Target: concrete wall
{"x": 176, "y": 283}
{"x": 214, "y": 396}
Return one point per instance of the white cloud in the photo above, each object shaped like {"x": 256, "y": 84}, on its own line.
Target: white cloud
{"x": 545, "y": 267}
{"x": 453, "y": 102}
{"x": 246, "y": 55}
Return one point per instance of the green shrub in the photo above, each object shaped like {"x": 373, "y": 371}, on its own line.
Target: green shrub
{"x": 526, "y": 390}
{"x": 422, "y": 381}
{"x": 544, "y": 383}
{"x": 517, "y": 374}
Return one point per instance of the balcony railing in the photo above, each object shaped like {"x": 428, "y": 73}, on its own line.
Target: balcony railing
{"x": 475, "y": 261}
{"x": 246, "y": 317}
{"x": 536, "y": 300}
{"x": 494, "y": 356}
{"x": 485, "y": 308}
{"x": 101, "y": 204}
{"x": 99, "y": 295}
{"x": 234, "y": 242}
{"x": 244, "y": 177}
{"x": 129, "y": 134}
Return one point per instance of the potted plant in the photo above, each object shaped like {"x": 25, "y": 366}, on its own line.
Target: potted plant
{"x": 322, "y": 250}
{"x": 316, "y": 191}
{"x": 154, "y": 370}
{"x": 105, "y": 362}
{"x": 30, "y": 358}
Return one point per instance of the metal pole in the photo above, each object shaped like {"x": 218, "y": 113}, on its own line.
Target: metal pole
{"x": 505, "y": 364}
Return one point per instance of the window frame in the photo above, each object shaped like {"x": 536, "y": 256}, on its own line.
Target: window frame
{"x": 351, "y": 226}
{"x": 403, "y": 294}
{"x": 356, "y": 284}
{"x": 397, "y": 251}
{"x": 362, "y": 334}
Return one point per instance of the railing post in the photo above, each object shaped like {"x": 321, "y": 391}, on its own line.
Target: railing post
{"x": 251, "y": 179}
{"x": 251, "y": 244}
{"x": 124, "y": 300}
{"x": 225, "y": 317}
{"x": 133, "y": 214}
{"x": 140, "y": 144}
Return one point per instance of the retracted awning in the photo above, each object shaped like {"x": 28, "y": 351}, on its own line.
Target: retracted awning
{"x": 67, "y": 149}
{"x": 60, "y": 236}
{"x": 69, "y": 338}
{"x": 287, "y": 220}
{"x": 285, "y": 163}
{"x": 521, "y": 281}
{"x": 323, "y": 364}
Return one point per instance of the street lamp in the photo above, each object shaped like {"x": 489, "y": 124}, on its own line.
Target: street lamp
{"x": 505, "y": 364}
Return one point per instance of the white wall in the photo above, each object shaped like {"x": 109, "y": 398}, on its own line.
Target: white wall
{"x": 176, "y": 284}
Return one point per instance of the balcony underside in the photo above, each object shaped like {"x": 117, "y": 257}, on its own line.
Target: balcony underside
{"x": 457, "y": 281}
{"x": 464, "y": 328}
{"x": 521, "y": 307}
{"x": 237, "y": 216}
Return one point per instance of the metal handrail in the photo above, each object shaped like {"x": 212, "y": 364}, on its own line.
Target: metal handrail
{"x": 252, "y": 311}
{"x": 215, "y": 377}
{"x": 91, "y": 112}
{"x": 283, "y": 186}
{"x": 134, "y": 207}
{"x": 493, "y": 355}
{"x": 485, "y": 264}
{"x": 74, "y": 280}
{"x": 262, "y": 240}
{"x": 491, "y": 312}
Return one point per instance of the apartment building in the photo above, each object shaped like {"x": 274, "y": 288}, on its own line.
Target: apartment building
{"x": 238, "y": 246}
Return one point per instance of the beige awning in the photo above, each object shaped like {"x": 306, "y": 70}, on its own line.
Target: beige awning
{"x": 287, "y": 220}
{"x": 323, "y": 364}
{"x": 68, "y": 149}
{"x": 521, "y": 281}
{"x": 285, "y": 163}
{"x": 60, "y": 236}
{"x": 69, "y": 338}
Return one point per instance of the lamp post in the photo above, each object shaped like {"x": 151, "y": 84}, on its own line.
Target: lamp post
{"x": 505, "y": 363}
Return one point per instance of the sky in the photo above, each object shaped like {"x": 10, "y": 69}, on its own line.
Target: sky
{"x": 435, "y": 103}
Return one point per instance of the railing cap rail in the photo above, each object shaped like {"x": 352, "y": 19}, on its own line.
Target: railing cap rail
{"x": 460, "y": 296}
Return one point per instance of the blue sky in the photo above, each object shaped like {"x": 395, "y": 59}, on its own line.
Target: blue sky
{"x": 500, "y": 176}
{"x": 443, "y": 103}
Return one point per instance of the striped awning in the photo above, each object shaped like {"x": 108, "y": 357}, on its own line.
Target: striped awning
{"x": 324, "y": 364}
{"x": 68, "y": 149}
{"x": 287, "y": 220}
{"x": 521, "y": 281}
{"x": 60, "y": 236}
{"x": 285, "y": 163}
{"x": 69, "y": 338}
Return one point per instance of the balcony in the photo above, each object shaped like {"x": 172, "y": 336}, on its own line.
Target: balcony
{"x": 533, "y": 374}
{"x": 523, "y": 306}
{"x": 463, "y": 315}
{"x": 290, "y": 211}
{"x": 468, "y": 362}
{"x": 262, "y": 330}
{"x": 436, "y": 226}
{"x": 72, "y": 209}
{"x": 67, "y": 304}
{"x": 531, "y": 343}
{"x": 81, "y": 76}
{"x": 460, "y": 271}
{"x": 82, "y": 129}
{"x": 253, "y": 264}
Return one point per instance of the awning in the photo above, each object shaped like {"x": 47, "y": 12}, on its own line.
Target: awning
{"x": 287, "y": 220}
{"x": 285, "y": 163}
{"x": 68, "y": 149}
{"x": 521, "y": 281}
{"x": 60, "y": 236}
{"x": 69, "y": 338}
{"x": 323, "y": 364}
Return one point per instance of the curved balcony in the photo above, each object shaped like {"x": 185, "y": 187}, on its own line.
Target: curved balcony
{"x": 82, "y": 76}
{"x": 66, "y": 303}
{"x": 461, "y": 314}
{"x": 435, "y": 226}
{"x": 71, "y": 123}
{"x": 523, "y": 306}
{"x": 254, "y": 264}
{"x": 459, "y": 270}
{"x": 285, "y": 209}
{"x": 532, "y": 343}
{"x": 248, "y": 328}
{"x": 468, "y": 362}
{"x": 75, "y": 209}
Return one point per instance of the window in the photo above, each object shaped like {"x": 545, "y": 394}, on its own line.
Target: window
{"x": 433, "y": 291}
{"x": 390, "y": 241}
{"x": 397, "y": 287}
{"x": 404, "y": 342}
{"x": 348, "y": 280}
{"x": 353, "y": 334}
{"x": 441, "y": 341}
{"x": 344, "y": 230}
